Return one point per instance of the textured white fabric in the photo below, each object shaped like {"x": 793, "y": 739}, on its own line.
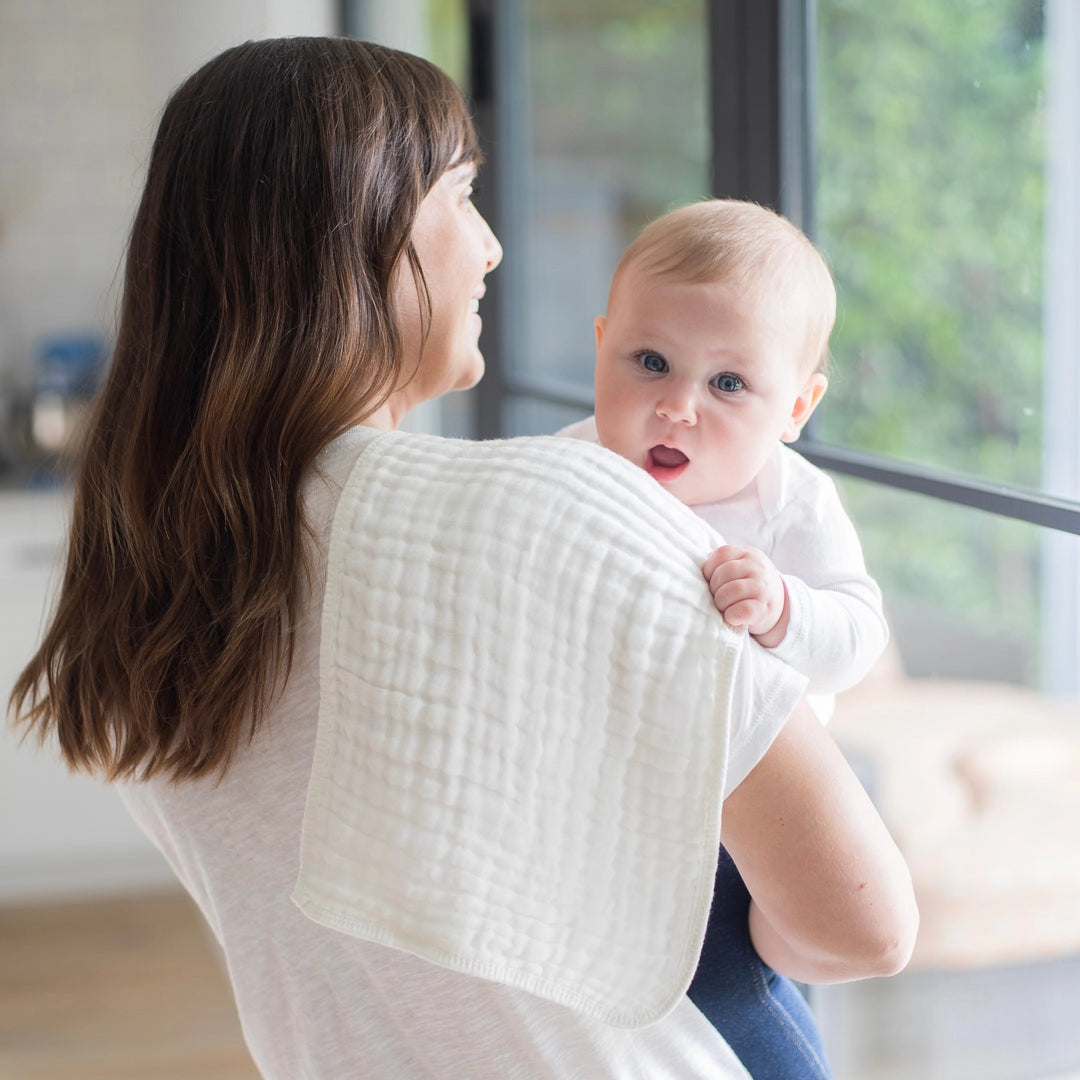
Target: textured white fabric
{"x": 316, "y": 1004}
{"x": 793, "y": 513}
{"x": 522, "y": 748}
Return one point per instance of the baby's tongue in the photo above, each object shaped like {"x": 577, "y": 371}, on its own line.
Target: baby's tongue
{"x": 666, "y": 457}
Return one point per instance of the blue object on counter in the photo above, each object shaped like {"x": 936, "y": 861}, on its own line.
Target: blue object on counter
{"x": 69, "y": 365}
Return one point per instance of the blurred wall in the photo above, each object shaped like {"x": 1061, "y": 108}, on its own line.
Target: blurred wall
{"x": 81, "y": 85}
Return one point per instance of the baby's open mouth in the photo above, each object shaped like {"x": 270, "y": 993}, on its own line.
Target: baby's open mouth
{"x": 667, "y": 457}
{"x": 666, "y": 463}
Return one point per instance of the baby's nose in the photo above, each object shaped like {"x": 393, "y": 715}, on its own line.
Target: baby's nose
{"x": 678, "y": 405}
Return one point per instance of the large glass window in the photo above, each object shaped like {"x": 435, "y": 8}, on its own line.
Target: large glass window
{"x": 946, "y": 143}
{"x": 930, "y": 156}
{"x": 932, "y": 149}
{"x": 609, "y": 128}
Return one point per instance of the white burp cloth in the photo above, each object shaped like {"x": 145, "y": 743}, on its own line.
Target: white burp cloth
{"x": 523, "y": 727}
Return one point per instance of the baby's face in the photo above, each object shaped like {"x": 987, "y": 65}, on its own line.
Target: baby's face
{"x": 696, "y": 386}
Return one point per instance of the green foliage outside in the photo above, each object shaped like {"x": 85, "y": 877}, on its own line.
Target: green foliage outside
{"x": 619, "y": 88}
{"x": 930, "y": 164}
{"x": 930, "y": 154}
{"x": 448, "y": 35}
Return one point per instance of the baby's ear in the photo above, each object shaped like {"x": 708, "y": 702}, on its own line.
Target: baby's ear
{"x": 805, "y": 404}
{"x": 598, "y": 326}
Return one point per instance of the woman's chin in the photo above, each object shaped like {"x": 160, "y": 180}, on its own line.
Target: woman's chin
{"x": 471, "y": 375}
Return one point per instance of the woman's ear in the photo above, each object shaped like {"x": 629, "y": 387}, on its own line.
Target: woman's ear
{"x": 805, "y": 404}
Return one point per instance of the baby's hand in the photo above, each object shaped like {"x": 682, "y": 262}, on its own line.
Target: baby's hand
{"x": 748, "y": 591}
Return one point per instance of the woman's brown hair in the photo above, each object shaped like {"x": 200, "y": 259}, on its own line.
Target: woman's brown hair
{"x": 256, "y": 325}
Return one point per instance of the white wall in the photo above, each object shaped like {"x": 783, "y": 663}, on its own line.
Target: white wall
{"x": 75, "y": 112}
{"x": 81, "y": 85}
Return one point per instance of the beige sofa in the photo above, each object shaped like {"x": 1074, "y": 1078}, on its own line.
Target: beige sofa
{"x": 980, "y": 784}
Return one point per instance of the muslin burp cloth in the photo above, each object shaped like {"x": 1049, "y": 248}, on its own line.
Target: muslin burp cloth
{"x": 523, "y": 727}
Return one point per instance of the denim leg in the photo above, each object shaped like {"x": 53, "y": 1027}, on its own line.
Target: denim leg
{"x": 760, "y": 1013}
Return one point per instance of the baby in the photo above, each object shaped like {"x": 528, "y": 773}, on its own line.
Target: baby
{"x": 710, "y": 358}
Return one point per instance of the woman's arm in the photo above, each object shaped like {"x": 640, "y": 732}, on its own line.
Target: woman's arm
{"x": 832, "y": 895}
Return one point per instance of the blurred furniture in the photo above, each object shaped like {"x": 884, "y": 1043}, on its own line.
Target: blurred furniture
{"x": 980, "y": 784}
{"x": 60, "y": 834}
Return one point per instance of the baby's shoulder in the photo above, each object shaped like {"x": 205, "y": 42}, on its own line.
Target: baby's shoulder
{"x": 791, "y": 485}
{"x": 788, "y": 463}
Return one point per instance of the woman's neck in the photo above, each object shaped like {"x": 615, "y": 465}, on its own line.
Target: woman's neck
{"x": 385, "y": 418}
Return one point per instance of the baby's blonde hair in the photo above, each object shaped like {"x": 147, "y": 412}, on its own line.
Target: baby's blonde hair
{"x": 759, "y": 251}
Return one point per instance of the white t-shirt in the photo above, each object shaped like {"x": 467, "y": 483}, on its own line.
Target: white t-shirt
{"x": 316, "y": 1004}
{"x": 793, "y": 513}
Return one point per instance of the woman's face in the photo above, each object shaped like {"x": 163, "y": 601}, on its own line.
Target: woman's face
{"x": 456, "y": 249}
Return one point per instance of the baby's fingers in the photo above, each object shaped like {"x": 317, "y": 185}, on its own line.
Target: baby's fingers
{"x": 744, "y": 613}
{"x": 730, "y": 588}
{"x": 720, "y": 557}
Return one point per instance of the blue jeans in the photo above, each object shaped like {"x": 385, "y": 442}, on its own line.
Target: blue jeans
{"x": 761, "y": 1014}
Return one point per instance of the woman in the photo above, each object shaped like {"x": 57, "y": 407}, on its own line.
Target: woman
{"x": 304, "y": 267}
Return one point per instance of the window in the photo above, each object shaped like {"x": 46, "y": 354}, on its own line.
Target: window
{"x": 582, "y": 153}
{"x": 945, "y": 136}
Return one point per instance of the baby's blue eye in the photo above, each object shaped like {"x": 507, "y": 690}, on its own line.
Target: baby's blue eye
{"x": 728, "y": 383}
{"x": 651, "y": 361}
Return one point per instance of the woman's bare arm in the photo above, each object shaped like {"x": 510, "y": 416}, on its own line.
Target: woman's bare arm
{"x": 832, "y": 896}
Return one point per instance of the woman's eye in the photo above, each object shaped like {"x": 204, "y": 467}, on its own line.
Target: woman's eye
{"x": 728, "y": 383}
{"x": 651, "y": 361}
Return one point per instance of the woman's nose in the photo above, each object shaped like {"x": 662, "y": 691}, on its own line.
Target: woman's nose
{"x": 493, "y": 247}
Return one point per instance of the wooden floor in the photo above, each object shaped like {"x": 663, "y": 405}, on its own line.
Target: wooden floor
{"x": 115, "y": 990}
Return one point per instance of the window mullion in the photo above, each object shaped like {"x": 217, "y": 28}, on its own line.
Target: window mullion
{"x": 1001, "y": 499}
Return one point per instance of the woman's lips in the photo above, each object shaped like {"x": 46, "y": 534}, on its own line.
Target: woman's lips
{"x": 665, "y": 463}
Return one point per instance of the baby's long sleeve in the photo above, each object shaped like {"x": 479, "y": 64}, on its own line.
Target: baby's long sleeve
{"x": 835, "y": 632}
{"x": 837, "y": 628}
